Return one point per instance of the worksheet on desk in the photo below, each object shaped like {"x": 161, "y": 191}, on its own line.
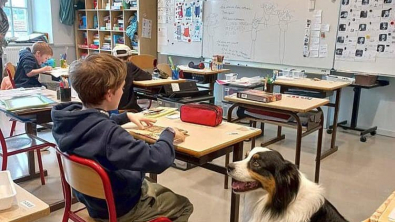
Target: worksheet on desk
{"x": 59, "y": 72}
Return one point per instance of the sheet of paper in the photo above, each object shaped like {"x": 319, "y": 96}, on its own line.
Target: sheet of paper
{"x": 314, "y": 54}
{"x": 162, "y": 36}
{"x": 317, "y": 20}
{"x": 315, "y": 40}
{"x": 162, "y": 16}
{"x": 316, "y": 27}
{"x": 175, "y": 87}
{"x": 315, "y": 47}
{"x": 315, "y": 34}
{"x": 325, "y": 27}
{"x": 147, "y": 28}
{"x": 323, "y": 54}
{"x": 324, "y": 47}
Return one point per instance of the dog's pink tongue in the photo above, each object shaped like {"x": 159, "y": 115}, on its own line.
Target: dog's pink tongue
{"x": 244, "y": 186}
{"x": 237, "y": 185}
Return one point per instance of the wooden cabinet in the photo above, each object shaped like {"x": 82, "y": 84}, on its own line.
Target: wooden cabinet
{"x": 103, "y": 24}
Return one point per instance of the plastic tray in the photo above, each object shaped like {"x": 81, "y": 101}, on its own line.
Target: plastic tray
{"x": 7, "y": 190}
{"x": 25, "y": 102}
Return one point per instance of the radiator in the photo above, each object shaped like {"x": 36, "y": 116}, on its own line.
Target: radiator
{"x": 11, "y": 54}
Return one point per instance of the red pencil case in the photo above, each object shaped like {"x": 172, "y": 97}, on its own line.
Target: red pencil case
{"x": 202, "y": 114}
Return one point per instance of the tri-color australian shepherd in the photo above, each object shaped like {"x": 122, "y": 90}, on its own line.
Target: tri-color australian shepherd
{"x": 275, "y": 190}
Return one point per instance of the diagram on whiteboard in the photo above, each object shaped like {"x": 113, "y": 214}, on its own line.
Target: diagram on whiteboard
{"x": 245, "y": 30}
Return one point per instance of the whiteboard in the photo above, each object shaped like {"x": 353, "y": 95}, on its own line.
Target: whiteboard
{"x": 168, "y": 44}
{"x": 366, "y": 37}
{"x": 267, "y": 31}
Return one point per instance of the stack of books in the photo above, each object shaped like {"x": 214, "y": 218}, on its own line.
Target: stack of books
{"x": 258, "y": 95}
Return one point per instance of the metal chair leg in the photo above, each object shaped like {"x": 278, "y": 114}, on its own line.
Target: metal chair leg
{"x": 40, "y": 166}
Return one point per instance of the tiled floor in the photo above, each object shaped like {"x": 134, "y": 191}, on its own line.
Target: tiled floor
{"x": 357, "y": 178}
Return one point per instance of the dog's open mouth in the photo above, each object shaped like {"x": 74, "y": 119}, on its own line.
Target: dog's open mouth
{"x": 239, "y": 186}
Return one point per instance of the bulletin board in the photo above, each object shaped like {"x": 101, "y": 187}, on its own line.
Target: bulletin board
{"x": 180, "y": 27}
{"x": 366, "y": 37}
{"x": 287, "y": 32}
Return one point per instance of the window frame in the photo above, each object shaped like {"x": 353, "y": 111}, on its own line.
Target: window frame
{"x": 29, "y": 17}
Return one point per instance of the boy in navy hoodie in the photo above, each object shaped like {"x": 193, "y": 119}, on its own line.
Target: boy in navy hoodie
{"x": 88, "y": 131}
{"x": 29, "y": 65}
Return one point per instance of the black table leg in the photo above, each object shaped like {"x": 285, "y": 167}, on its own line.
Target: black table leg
{"x": 354, "y": 117}
{"x": 333, "y": 147}
{"x": 235, "y": 199}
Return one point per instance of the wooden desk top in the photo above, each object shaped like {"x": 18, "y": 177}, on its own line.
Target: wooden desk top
{"x": 157, "y": 82}
{"x": 22, "y": 211}
{"x": 205, "y": 71}
{"x": 311, "y": 84}
{"x": 203, "y": 140}
{"x": 286, "y": 103}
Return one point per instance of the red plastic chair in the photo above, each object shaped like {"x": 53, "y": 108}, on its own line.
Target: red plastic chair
{"x": 73, "y": 173}
{"x": 10, "y": 69}
{"x": 23, "y": 143}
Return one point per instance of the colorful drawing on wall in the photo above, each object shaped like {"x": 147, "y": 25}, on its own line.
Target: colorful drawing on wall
{"x": 186, "y": 32}
{"x": 196, "y": 32}
{"x": 179, "y": 10}
{"x": 177, "y": 31}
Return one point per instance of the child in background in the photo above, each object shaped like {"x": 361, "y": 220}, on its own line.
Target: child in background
{"x": 88, "y": 131}
{"x": 29, "y": 65}
{"x": 134, "y": 73}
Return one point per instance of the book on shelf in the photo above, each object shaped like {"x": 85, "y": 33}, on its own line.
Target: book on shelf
{"x": 259, "y": 96}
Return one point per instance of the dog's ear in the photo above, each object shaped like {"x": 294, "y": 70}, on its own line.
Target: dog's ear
{"x": 287, "y": 180}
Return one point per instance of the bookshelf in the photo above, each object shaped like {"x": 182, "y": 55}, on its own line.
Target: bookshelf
{"x": 103, "y": 23}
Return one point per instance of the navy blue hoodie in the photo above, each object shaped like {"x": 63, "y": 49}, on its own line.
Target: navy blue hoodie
{"x": 91, "y": 134}
{"x": 27, "y": 62}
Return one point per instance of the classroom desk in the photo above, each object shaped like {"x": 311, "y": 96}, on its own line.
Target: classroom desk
{"x": 156, "y": 82}
{"x": 289, "y": 106}
{"x": 206, "y": 143}
{"x": 26, "y": 208}
{"x": 209, "y": 76}
{"x": 32, "y": 118}
{"x": 149, "y": 89}
{"x": 323, "y": 86}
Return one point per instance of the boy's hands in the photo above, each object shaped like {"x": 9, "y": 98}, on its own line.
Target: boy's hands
{"x": 47, "y": 68}
{"x": 179, "y": 136}
{"x": 138, "y": 120}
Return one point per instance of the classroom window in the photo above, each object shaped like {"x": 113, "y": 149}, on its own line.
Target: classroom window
{"x": 18, "y": 16}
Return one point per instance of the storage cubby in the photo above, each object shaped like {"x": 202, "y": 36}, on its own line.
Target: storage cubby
{"x": 103, "y": 26}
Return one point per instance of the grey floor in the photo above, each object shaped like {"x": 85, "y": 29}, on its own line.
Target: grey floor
{"x": 357, "y": 178}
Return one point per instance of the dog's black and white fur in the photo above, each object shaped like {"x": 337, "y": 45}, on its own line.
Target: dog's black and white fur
{"x": 275, "y": 190}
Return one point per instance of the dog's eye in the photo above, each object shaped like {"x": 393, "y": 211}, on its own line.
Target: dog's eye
{"x": 255, "y": 164}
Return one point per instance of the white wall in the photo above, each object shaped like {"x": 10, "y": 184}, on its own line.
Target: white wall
{"x": 376, "y": 108}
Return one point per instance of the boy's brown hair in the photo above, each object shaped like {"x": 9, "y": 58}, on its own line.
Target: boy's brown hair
{"x": 93, "y": 77}
{"x": 43, "y": 48}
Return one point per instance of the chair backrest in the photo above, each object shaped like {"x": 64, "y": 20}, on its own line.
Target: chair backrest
{"x": 87, "y": 177}
{"x": 164, "y": 68}
{"x": 143, "y": 61}
{"x": 10, "y": 69}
